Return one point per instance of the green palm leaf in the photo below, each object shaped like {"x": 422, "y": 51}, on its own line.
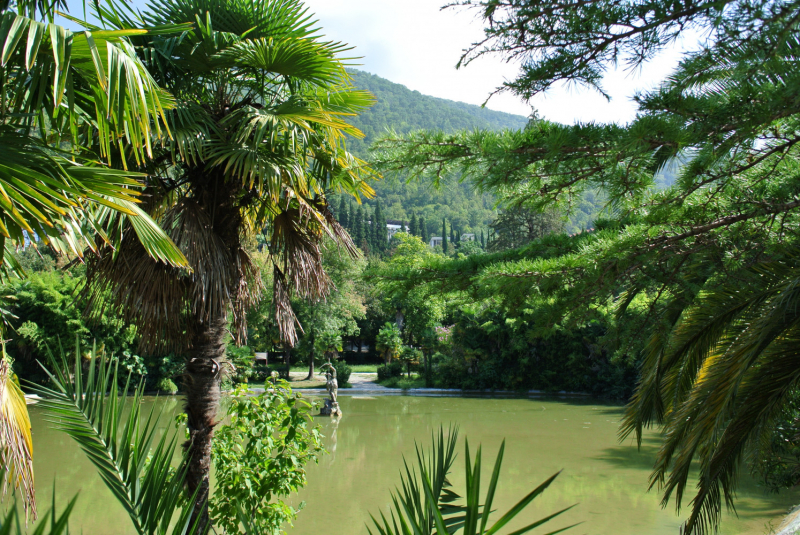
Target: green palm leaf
{"x": 120, "y": 441}
{"x": 729, "y": 367}
{"x": 425, "y": 504}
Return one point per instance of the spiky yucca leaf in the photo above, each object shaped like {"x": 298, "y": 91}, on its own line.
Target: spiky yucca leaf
{"x": 120, "y": 441}
{"x": 58, "y": 523}
{"x": 426, "y": 505}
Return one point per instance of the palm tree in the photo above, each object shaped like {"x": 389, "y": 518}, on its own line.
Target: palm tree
{"x": 725, "y": 374}
{"x": 258, "y": 138}
{"x": 65, "y": 119}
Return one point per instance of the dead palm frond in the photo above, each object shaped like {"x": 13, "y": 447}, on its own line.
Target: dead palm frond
{"x": 16, "y": 443}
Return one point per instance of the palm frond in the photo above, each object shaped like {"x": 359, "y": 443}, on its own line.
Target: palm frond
{"x": 120, "y": 441}
{"x": 427, "y": 505}
{"x": 16, "y": 452}
{"x": 728, "y": 368}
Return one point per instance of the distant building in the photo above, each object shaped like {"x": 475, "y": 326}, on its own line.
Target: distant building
{"x": 468, "y": 237}
{"x": 393, "y": 227}
{"x": 437, "y": 240}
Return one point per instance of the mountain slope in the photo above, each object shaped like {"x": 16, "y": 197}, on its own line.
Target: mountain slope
{"x": 404, "y": 110}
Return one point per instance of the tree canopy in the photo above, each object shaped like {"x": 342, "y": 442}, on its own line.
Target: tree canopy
{"x": 725, "y": 122}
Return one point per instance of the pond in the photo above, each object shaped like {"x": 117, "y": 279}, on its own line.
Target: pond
{"x": 606, "y": 479}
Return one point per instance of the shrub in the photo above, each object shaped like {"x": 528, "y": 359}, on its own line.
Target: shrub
{"x": 260, "y": 458}
{"x": 391, "y": 382}
{"x": 241, "y": 360}
{"x": 167, "y": 386}
{"x": 343, "y": 371}
{"x": 387, "y": 371}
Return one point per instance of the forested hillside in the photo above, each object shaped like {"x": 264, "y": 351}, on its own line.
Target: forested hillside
{"x": 404, "y": 110}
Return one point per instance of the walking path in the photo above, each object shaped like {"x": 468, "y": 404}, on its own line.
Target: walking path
{"x": 366, "y": 384}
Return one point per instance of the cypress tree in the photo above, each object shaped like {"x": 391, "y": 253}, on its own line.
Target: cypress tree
{"x": 413, "y": 229}
{"x": 483, "y": 241}
{"x": 369, "y": 229}
{"x": 358, "y": 227}
{"x": 423, "y": 230}
{"x": 381, "y": 233}
{"x": 444, "y": 236}
{"x": 342, "y": 216}
{"x": 374, "y": 233}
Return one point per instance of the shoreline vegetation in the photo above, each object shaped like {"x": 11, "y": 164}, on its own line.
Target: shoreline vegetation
{"x": 185, "y": 189}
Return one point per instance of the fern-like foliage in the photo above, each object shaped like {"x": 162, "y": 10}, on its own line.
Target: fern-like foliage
{"x": 121, "y": 442}
{"x": 720, "y": 382}
{"x": 426, "y": 504}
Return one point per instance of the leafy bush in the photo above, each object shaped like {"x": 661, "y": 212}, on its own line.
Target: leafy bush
{"x": 167, "y": 386}
{"x": 488, "y": 352}
{"x": 241, "y": 360}
{"x": 260, "y": 458}
{"x": 343, "y": 372}
{"x": 47, "y": 317}
{"x": 387, "y": 371}
{"x": 778, "y": 461}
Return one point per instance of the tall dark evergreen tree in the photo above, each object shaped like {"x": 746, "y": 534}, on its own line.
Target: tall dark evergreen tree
{"x": 483, "y": 240}
{"x": 373, "y": 232}
{"x": 413, "y": 228}
{"x": 344, "y": 214}
{"x": 423, "y": 230}
{"x": 358, "y": 227}
{"x": 444, "y": 236}
{"x": 381, "y": 233}
{"x": 369, "y": 228}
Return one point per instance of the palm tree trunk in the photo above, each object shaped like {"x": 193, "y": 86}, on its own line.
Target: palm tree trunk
{"x": 201, "y": 382}
{"x": 311, "y": 357}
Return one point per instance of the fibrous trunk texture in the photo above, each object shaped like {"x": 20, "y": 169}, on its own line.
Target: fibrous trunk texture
{"x": 202, "y": 385}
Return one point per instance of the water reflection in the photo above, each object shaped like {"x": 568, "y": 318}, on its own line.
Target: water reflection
{"x": 608, "y": 480}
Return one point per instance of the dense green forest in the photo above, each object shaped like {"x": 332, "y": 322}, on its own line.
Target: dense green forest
{"x": 402, "y": 111}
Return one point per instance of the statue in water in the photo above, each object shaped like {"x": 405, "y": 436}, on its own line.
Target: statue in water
{"x": 331, "y": 407}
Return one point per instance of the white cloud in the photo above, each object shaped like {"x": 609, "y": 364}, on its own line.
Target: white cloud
{"x": 415, "y": 43}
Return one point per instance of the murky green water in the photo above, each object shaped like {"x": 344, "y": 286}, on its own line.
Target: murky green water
{"x": 606, "y": 479}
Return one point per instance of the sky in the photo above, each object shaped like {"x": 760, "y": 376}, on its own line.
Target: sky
{"x": 416, "y": 44}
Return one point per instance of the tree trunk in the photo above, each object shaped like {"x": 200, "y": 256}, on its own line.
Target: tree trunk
{"x": 427, "y": 369}
{"x": 201, "y": 383}
{"x": 312, "y": 354}
{"x": 311, "y": 366}
{"x": 288, "y": 356}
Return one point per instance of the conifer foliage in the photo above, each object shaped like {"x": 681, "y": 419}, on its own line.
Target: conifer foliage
{"x": 728, "y": 119}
